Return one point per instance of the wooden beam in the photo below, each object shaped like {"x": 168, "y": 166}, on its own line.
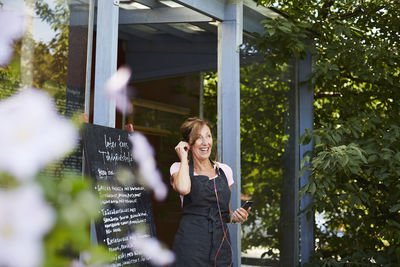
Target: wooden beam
{"x": 147, "y": 16}
{"x": 252, "y": 21}
{"x": 161, "y": 15}
{"x": 211, "y": 8}
{"x": 262, "y": 10}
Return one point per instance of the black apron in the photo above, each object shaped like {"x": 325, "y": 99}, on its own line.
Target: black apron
{"x": 200, "y": 239}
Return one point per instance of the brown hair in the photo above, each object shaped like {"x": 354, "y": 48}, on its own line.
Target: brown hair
{"x": 190, "y": 128}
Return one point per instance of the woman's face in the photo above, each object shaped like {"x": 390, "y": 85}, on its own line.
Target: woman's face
{"x": 201, "y": 148}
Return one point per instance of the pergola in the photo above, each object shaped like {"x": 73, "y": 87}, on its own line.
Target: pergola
{"x": 166, "y": 38}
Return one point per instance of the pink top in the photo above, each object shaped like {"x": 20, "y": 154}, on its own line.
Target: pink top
{"x": 227, "y": 170}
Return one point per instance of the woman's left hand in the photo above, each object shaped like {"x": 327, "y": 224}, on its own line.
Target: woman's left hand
{"x": 240, "y": 215}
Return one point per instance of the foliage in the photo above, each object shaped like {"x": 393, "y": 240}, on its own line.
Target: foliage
{"x": 355, "y": 185}
{"x": 75, "y": 205}
{"x": 356, "y": 112}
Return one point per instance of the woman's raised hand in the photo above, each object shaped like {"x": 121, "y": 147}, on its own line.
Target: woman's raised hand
{"x": 182, "y": 150}
{"x": 240, "y": 215}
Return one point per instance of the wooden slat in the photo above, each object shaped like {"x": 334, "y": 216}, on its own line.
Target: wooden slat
{"x": 151, "y": 131}
{"x": 160, "y": 106}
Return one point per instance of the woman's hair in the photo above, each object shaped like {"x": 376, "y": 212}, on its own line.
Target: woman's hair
{"x": 190, "y": 128}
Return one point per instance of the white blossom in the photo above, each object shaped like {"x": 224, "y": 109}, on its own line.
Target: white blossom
{"x": 151, "y": 249}
{"x": 116, "y": 89}
{"x": 143, "y": 154}
{"x": 32, "y": 134}
{"x": 84, "y": 258}
{"x": 80, "y": 263}
{"x": 11, "y": 29}
{"x": 24, "y": 218}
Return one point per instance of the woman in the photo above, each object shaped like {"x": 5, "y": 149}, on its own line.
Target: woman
{"x": 203, "y": 236}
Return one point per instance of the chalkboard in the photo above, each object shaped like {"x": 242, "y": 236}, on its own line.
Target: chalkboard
{"x": 124, "y": 207}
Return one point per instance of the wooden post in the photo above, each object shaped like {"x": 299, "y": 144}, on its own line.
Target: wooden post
{"x": 229, "y": 39}
{"x": 106, "y": 61}
{"x": 289, "y": 223}
{"x": 306, "y": 95}
{"x": 106, "y": 66}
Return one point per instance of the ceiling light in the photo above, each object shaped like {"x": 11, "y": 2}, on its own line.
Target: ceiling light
{"x": 170, "y": 3}
{"x": 187, "y": 27}
{"x": 132, "y": 5}
{"x": 195, "y": 28}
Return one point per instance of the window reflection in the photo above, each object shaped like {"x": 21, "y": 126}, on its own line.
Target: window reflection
{"x": 52, "y": 53}
{"x": 265, "y": 131}
{"x": 51, "y": 56}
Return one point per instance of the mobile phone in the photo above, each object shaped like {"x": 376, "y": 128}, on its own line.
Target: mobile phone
{"x": 247, "y": 204}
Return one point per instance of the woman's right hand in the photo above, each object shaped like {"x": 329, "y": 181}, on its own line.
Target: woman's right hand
{"x": 182, "y": 150}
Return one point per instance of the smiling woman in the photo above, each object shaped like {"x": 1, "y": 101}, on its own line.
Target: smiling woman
{"x": 203, "y": 235}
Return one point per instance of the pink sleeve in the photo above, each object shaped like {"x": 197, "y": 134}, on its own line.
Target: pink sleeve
{"x": 174, "y": 168}
{"x": 228, "y": 173}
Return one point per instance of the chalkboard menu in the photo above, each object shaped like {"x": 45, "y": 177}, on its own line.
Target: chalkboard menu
{"x": 124, "y": 206}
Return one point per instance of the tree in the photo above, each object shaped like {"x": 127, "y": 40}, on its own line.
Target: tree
{"x": 356, "y": 159}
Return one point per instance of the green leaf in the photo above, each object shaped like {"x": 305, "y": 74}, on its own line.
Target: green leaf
{"x": 304, "y": 189}
{"x": 395, "y": 208}
{"x": 343, "y": 160}
{"x": 355, "y": 200}
{"x": 354, "y": 170}
{"x": 313, "y": 188}
{"x": 372, "y": 158}
{"x": 271, "y": 31}
{"x": 397, "y": 156}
